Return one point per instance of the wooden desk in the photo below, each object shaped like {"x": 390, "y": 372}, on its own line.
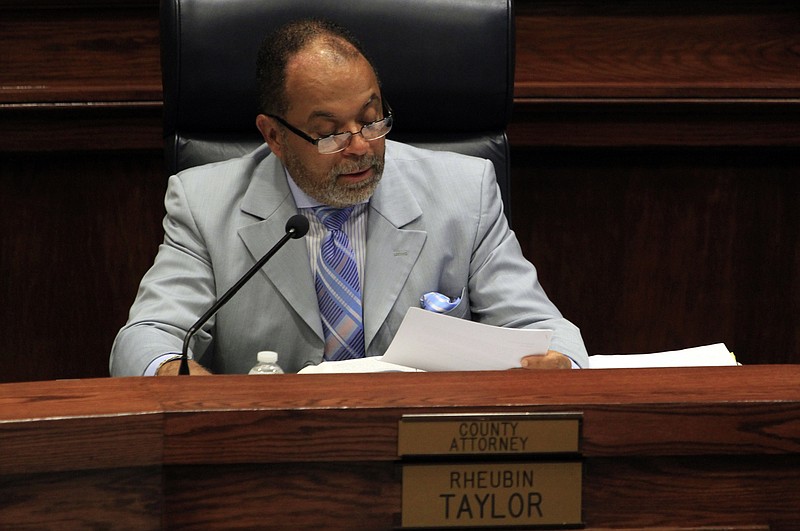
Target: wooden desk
{"x": 663, "y": 448}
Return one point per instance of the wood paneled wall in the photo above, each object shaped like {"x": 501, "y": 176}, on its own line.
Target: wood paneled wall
{"x": 660, "y": 248}
{"x": 655, "y": 173}
{"x": 81, "y": 178}
{"x": 656, "y": 170}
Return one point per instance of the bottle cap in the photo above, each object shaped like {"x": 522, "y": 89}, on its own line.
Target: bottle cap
{"x": 267, "y": 356}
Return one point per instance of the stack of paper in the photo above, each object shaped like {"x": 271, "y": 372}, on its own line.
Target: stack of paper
{"x": 705, "y": 356}
{"x": 428, "y": 341}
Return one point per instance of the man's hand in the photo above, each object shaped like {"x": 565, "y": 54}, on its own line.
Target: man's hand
{"x": 551, "y": 360}
{"x": 171, "y": 368}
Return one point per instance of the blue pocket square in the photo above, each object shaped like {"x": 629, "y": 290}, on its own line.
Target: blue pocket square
{"x": 438, "y": 303}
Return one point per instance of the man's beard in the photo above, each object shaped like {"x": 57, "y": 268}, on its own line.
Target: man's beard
{"x": 330, "y": 192}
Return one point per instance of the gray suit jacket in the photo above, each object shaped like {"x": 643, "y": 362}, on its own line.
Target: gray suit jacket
{"x": 435, "y": 224}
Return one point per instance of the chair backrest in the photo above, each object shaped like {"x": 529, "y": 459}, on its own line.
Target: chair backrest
{"x": 447, "y": 68}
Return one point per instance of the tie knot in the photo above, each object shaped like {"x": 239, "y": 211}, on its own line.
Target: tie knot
{"x": 333, "y": 218}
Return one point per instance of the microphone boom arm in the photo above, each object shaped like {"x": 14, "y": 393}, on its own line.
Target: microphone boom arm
{"x": 296, "y": 227}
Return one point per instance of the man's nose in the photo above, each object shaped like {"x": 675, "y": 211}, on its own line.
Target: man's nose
{"x": 358, "y": 145}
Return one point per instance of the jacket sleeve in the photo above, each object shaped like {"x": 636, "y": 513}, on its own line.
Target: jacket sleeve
{"x": 504, "y": 286}
{"x": 178, "y": 287}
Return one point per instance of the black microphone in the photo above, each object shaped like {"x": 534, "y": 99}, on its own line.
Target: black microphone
{"x": 296, "y": 227}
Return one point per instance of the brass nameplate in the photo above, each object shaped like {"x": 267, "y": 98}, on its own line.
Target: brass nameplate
{"x": 492, "y": 494}
{"x": 523, "y": 433}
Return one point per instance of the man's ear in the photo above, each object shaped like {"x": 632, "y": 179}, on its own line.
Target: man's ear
{"x": 269, "y": 131}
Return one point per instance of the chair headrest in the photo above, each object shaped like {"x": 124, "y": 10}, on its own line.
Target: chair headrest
{"x": 445, "y": 66}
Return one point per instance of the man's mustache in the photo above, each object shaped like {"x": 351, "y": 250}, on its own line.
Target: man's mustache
{"x": 363, "y": 164}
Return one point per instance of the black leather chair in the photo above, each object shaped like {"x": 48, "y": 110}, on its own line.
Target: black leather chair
{"x": 447, "y": 67}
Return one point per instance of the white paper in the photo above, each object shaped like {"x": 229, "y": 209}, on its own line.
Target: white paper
{"x": 368, "y": 364}
{"x": 704, "y": 356}
{"x": 436, "y": 342}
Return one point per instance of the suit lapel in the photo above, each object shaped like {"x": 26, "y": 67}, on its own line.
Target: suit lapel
{"x": 269, "y": 199}
{"x": 392, "y": 250}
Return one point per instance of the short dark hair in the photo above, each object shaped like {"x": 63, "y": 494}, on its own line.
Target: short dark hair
{"x": 278, "y": 48}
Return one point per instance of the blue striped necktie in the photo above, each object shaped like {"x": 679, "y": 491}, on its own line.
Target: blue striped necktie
{"x": 338, "y": 289}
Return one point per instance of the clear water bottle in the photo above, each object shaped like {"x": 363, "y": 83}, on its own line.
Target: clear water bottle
{"x": 267, "y": 363}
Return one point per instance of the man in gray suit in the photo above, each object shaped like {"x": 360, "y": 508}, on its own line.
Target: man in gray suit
{"x": 417, "y": 222}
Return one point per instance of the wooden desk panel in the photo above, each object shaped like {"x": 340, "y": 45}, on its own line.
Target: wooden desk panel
{"x": 682, "y": 448}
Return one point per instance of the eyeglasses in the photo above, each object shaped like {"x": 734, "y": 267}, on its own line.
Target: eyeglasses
{"x": 328, "y": 145}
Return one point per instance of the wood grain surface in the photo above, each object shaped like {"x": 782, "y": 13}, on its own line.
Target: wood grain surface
{"x": 662, "y": 448}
